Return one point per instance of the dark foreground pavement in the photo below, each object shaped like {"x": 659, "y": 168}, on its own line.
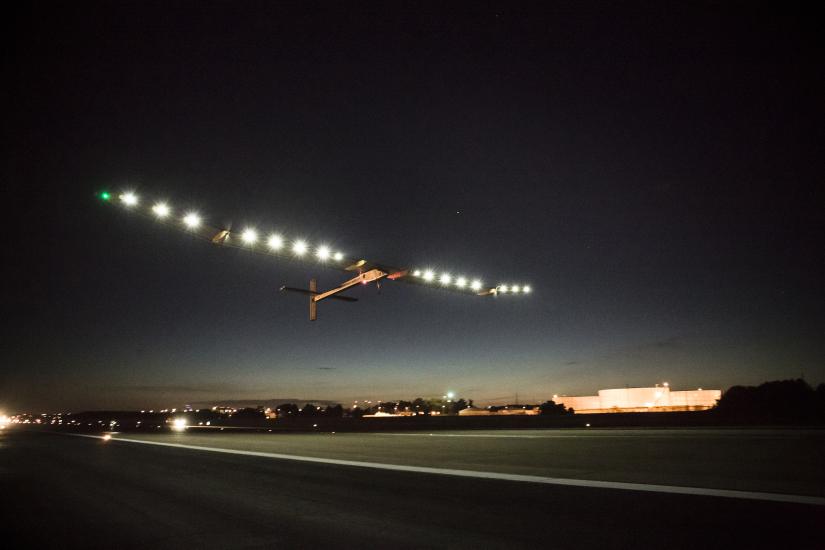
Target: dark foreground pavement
{"x": 72, "y": 492}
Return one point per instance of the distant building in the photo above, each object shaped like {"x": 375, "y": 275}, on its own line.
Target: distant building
{"x": 655, "y": 399}
{"x": 507, "y": 410}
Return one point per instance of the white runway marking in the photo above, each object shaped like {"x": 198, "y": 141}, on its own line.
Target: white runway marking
{"x": 671, "y": 489}
{"x": 594, "y": 435}
{"x": 494, "y": 436}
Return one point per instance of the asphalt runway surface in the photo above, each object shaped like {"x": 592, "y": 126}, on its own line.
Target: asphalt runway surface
{"x": 61, "y": 491}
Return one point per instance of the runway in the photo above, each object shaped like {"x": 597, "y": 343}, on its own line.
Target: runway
{"x": 319, "y": 489}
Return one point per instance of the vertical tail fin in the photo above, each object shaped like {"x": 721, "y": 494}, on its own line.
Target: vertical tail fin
{"x": 313, "y": 306}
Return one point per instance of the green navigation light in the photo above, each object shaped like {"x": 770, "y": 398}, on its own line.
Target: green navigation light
{"x": 105, "y": 195}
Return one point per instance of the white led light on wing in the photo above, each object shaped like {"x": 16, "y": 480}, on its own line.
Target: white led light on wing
{"x": 526, "y": 289}
{"x": 192, "y": 220}
{"x": 323, "y": 252}
{"x": 503, "y": 288}
{"x": 129, "y": 199}
{"x": 275, "y": 242}
{"x": 338, "y": 256}
{"x": 161, "y": 210}
{"x": 300, "y": 248}
{"x": 445, "y": 279}
{"x": 476, "y": 285}
{"x": 249, "y": 236}
{"x": 429, "y": 275}
{"x": 515, "y": 288}
{"x": 461, "y": 282}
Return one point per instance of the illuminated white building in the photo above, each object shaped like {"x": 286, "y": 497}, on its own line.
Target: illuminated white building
{"x": 655, "y": 399}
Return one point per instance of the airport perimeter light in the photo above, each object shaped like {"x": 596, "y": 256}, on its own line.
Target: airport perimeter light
{"x": 367, "y": 271}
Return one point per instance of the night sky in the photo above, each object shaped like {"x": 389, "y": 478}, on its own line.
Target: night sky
{"x": 654, "y": 171}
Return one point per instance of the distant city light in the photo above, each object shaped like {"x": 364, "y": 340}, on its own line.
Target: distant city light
{"x": 161, "y": 210}
{"x": 192, "y": 220}
{"x": 129, "y": 199}
{"x": 249, "y": 236}
{"x": 275, "y": 242}
{"x": 300, "y": 248}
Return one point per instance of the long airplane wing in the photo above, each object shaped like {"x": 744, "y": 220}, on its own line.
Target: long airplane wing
{"x": 321, "y": 255}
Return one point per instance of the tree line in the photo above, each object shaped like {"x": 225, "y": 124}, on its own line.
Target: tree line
{"x": 417, "y": 406}
{"x": 778, "y": 401}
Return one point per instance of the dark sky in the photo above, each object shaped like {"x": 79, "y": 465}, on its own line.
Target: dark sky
{"x": 655, "y": 172}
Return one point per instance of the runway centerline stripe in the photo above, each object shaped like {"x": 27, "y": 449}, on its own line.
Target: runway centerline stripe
{"x": 670, "y": 489}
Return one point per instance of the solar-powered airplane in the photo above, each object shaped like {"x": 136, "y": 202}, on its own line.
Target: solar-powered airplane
{"x": 275, "y": 244}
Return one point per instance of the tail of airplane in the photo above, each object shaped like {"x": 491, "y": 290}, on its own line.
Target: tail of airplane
{"x": 315, "y": 297}
{"x": 373, "y": 275}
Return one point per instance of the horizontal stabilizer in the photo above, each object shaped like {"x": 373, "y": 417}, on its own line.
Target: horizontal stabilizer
{"x": 315, "y": 293}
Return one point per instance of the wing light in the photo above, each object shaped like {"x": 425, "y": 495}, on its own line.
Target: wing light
{"x": 299, "y": 248}
{"x": 129, "y": 199}
{"x": 249, "y": 236}
{"x": 161, "y": 210}
{"x": 275, "y": 242}
{"x": 192, "y": 220}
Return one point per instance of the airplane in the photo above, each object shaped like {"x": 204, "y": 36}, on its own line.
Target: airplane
{"x": 276, "y": 245}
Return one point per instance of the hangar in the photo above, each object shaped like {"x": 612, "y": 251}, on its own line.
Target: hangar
{"x": 655, "y": 399}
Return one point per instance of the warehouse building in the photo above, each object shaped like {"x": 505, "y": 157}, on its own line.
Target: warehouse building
{"x": 655, "y": 399}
